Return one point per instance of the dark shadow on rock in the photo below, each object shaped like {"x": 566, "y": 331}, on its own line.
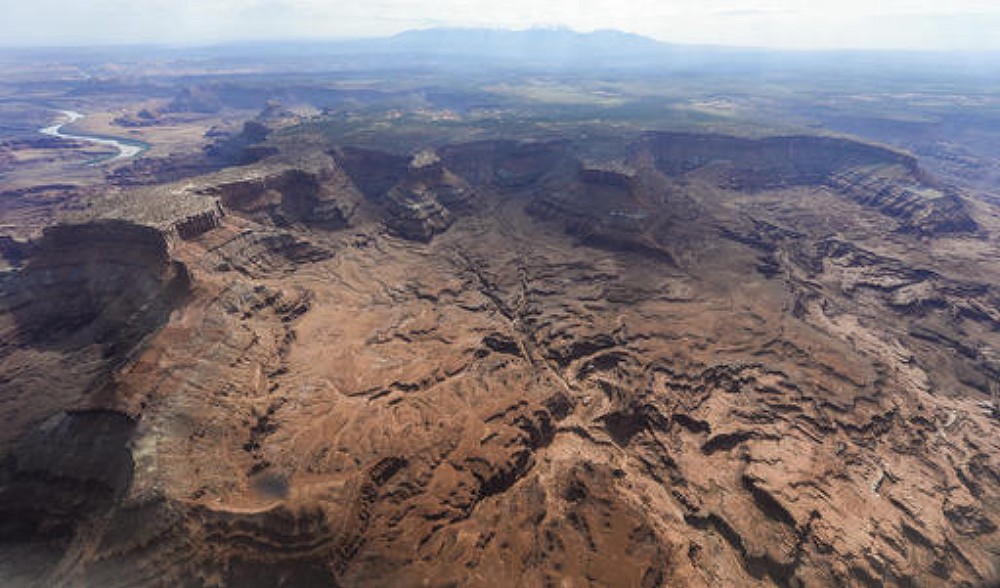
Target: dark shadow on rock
{"x": 72, "y": 468}
{"x": 109, "y": 283}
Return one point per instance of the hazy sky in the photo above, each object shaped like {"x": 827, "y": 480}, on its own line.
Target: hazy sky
{"x": 907, "y": 24}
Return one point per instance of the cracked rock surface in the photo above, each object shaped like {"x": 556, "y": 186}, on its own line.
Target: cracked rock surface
{"x": 499, "y": 365}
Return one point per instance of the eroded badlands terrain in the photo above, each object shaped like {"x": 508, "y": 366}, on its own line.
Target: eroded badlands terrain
{"x": 695, "y": 360}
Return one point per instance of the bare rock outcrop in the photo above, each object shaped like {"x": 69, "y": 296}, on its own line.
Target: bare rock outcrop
{"x": 288, "y": 196}
{"x": 417, "y": 195}
{"x": 885, "y": 179}
{"x": 620, "y": 371}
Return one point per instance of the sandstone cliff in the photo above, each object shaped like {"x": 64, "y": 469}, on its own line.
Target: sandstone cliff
{"x": 638, "y": 371}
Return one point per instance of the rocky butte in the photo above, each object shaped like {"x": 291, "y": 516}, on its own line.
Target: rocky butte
{"x": 698, "y": 360}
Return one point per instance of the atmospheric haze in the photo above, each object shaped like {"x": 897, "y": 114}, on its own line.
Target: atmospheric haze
{"x": 808, "y": 24}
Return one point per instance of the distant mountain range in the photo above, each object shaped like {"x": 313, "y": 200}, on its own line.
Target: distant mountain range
{"x": 553, "y": 49}
{"x": 540, "y": 46}
{"x": 565, "y": 48}
{"x": 530, "y": 44}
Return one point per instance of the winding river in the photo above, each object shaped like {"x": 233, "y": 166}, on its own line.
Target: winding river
{"x": 126, "y": 149}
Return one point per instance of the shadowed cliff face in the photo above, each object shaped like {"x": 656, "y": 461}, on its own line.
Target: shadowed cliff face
{"x": 82, "y": 303}
{"x": 415, "y": 195}
{"x": 287, "y": 197}
{"x": 108, "y": 283}
{"x": 771, "y": 161}
{"x": 627, "y": 201}
{"x": 67, "y": 470}
{"x": 517, "y": 366}
{"x": 884, "y": 179}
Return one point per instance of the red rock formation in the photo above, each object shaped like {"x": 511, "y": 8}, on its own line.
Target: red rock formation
{"x": 744, "y": 389}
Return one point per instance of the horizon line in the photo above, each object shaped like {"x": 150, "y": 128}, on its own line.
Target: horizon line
{"x": 557, "y": 28}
